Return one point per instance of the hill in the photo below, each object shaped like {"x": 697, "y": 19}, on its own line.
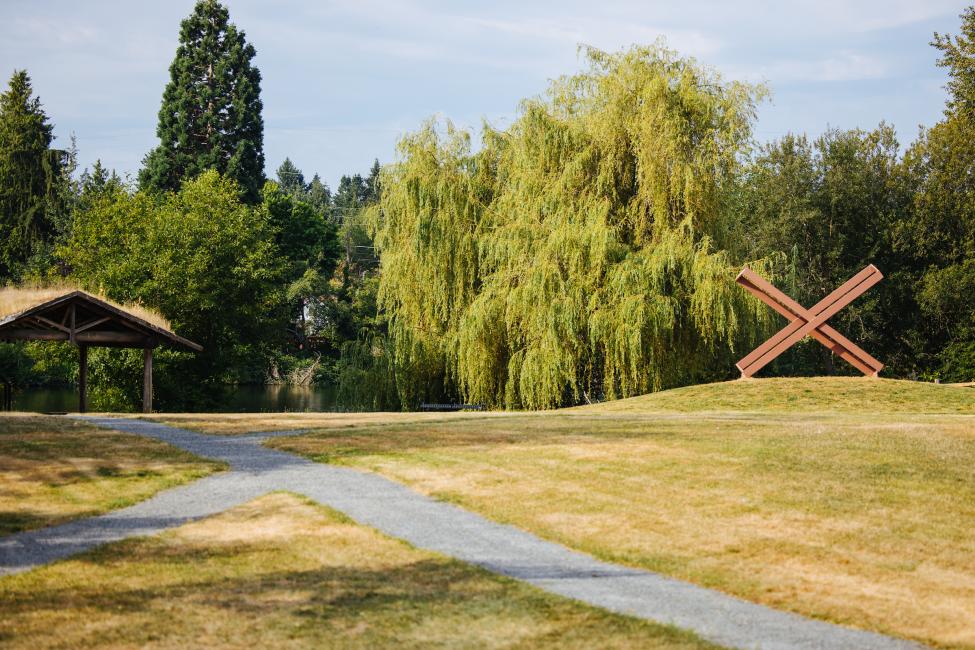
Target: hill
{"x": 803, "y": 395}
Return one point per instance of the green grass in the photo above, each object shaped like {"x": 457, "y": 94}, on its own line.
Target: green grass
{"x": 53, "y": 469}
{"x": 281, "y": 572}
{"x": 804, "y": 395}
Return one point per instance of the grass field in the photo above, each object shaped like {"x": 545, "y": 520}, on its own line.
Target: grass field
{"x": 850, "y": 500}
{"x": 53, "y": 469}
{"x": 802, "y": 395}
{"x": 237, "y": 423}
{"x": 281, "y": 572}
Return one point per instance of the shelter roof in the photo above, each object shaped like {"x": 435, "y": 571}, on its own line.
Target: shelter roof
{"x": 79, "y": 317}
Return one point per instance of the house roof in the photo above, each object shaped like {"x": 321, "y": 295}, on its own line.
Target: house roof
{"x": 82, "y": 318}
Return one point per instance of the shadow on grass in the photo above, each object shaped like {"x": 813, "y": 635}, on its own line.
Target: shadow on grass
{"x": 538, "y": 429}
{"x": 16, "y": 521}
{"x": 125, "y": 581}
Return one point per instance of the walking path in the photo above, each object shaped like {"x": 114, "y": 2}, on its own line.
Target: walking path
{"x": 400, "y": 512}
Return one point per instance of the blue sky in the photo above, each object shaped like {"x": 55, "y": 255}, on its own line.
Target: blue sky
{"x": 344, "y": 80}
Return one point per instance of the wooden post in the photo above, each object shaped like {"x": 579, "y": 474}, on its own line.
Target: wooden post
{"x": 82, "y": 378}
{"x": 147, "y": 381}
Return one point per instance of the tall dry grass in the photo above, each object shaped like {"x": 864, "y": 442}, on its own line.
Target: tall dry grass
{"x": 15, "y": 299}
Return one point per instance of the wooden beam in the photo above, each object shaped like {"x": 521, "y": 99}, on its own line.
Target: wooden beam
{"x": 91, "y": 323}
{"x": 121, "y": 339}
{"x": 82, "y": 378}
{"x": 147, "y": 380}
{"x": 50, "y": 323}
{"x": 25, "y": 334}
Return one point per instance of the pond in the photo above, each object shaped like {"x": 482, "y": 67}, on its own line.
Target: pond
{"x": 241, "y": 399}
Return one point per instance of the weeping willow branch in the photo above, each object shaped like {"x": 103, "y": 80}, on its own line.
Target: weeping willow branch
{"x": 585, "y": 250}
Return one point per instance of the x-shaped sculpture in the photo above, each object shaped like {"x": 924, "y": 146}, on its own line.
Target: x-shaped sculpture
{"x": 809, "y": 322}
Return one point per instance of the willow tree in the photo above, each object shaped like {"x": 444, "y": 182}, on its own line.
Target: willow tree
{"x": 581, "y": 253}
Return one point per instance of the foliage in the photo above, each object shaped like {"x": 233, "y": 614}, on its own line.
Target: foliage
{"x": 347, "y": 320}
{"x": 15, "y": 367}
{"x": 958, "y": 56}
{"x": 205, "y": 260}
{"x": 365, "y": 374}
{"x": 307, "y": 245}
{"x": 31, "y": 175}
{"x": 828, "y": 208}
{"x": 936, "y": 240}
{"x": 211, "y": 109}
{"x": 290, "y": 178}
{"x": 586, "y": 252}
{"x": 579, "y": 254}
{"x": 318, "y": 194}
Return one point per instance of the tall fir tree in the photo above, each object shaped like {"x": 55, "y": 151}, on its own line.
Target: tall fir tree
{"x": 291, "y": 179}
{"x": 319, "y": 195}
{"x": 353, "y": 193}
{"x": 372, "y": 183}
{"x": 211, "y": 109}
{"x": 29, "y": 176}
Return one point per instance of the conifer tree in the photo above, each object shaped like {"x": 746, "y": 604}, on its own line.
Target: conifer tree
{"x": 291, "y": 179}
{"x": 372, "y": 183}
{"x": 29, "y": 175}
{"x": 319, "y": 195}
{"x": 211, "y": 109}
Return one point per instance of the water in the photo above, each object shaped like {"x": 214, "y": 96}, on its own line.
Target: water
{"x": 241, "y": 399}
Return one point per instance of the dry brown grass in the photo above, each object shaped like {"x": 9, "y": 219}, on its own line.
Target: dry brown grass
{"x": 280, "y": 572}
{"x": 54, "y": 469}
{"x": 14, "y": 300}
{"x": 860, "y": 513}
{"x": 236, "y": 423}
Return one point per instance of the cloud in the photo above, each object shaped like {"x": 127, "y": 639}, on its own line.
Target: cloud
{"x": 842, "y": 66}
{"x": 53, "y": 31}
{"x": 342, "y": 80}
{"x": 601, "y": 33}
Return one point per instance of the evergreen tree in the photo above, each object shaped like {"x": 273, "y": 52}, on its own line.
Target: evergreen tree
{"x": 30, "y": 172}
{"x": 319, "y": 195}
{"x": 372, "y": 182}
{"x": 96, "y": 183}
{"x": 290, "y": 179}
{"x": 211, "y": 108}
{"x": 353, "y": 193}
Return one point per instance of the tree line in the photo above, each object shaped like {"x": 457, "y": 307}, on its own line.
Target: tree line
{"x": 586, "y": 252}
{"x": 270, "y": 276}
{"x": 589, "y": 250}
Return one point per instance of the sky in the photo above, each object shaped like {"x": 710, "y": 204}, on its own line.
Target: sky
{"x": 343, "y": 81}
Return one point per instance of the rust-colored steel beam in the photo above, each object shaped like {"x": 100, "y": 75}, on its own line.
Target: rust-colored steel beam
{"x": 809, "y": 322}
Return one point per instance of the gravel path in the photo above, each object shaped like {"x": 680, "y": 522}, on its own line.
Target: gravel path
{"x": 400, "y": 512}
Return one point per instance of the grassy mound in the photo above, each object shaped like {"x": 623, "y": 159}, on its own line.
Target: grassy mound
{"x": 803, "y": 394}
